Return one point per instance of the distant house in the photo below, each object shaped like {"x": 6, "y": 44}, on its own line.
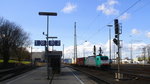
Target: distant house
{"x": 38, "y": 55}
{"x": 126, "y": 61}
{"x": 136, "y": 61}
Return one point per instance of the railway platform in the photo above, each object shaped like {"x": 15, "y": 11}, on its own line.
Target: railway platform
{"x": 39, "y": 76}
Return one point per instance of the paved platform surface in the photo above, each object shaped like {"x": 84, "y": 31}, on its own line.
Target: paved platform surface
{"x": 39, "y": 76}
{"x": 70, "y": 76}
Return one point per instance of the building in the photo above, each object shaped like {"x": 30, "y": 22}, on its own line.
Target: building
{"x": 38, "y": 55}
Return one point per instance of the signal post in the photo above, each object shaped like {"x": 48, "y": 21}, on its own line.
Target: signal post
{"x": 116, "y": 40}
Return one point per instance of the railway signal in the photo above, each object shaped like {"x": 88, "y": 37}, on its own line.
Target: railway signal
{"x": 116, "y": 40}
{"x": 116, "y": 26}
{"x": 94, "y": 50}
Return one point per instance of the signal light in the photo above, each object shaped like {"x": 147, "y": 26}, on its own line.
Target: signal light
{"x": 116, "y": 26}
{"x": 115, "y": 41}
{"x": 116, "y": 36}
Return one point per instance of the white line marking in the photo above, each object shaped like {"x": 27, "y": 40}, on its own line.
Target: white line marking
{"x": 76, "y": 77}
{"x": 19, "y": 78}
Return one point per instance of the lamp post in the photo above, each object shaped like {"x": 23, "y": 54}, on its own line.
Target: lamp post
{"x": 110, "y": 40}
{"x": 46, "y": 49}
{"x": 131, "y": 52}
{"x": 31, "y": 55}
{"x": 84, "y": 49}
{"x": 47, "y": 14}
{"x": 63, "y": 52}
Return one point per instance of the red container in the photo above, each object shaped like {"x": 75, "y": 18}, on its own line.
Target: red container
{"x": 80, "y": 61}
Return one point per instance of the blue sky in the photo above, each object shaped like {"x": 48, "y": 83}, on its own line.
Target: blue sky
{"x": 91, "y": 16}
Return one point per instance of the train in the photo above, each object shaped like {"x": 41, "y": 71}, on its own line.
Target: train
{"x": 94, "y": 61}
{"x": 91, "y": 61}
{"x": 67, "y": 61}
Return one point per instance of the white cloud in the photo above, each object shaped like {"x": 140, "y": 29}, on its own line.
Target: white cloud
{"x": 69, "y": 8}
{"x": 135, "y": 31}
{"x": 148, "y": 34}
{"x": 137, "y": 46}
{"x": 87, "y": 48}
{"x": 112, "y": 2}
{"x": 136, "y": 49}
{"x": 108, "y": 7}
{"x": 35, "y": 49}
{"x": 124, "y": 16}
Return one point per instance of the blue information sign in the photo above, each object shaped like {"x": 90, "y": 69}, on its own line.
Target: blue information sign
{"x": 43, "y": 42}
{"x": 57, "y": 42}
{"x": 50, "y": 43}
{"x": 37, "y": 42}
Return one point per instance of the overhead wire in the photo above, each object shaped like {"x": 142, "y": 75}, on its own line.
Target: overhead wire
{"x": 115, "y": 18}
{"x": 90, "y": 24}
{"x": 88, "y": 27}
{"x": 142, "y": 6}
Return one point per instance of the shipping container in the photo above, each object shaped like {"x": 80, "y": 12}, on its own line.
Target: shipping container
{"x": 80, "y": 61}
{"x": 68, "y": 61}
{"x": 90, "y": 61}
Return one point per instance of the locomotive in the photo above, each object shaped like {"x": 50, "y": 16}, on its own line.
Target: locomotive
{"x": 96, "y": 61}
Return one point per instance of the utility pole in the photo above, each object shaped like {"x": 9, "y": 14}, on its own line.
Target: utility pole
{"x": 75, "y": 43}
{"x": 100, "y": 51}
{"x": 83, "y": 52}
{"x": 31, "y": 55}
{"x": 148, "y": 50}
{"x": 94, "y": 50}
{"x": 144, "y": 53}
{"x": 110, "y": 40}
{"x": 84, "y": 49}
{"x": 114, "y": 54}
{"x": 63, "y": 53}
{"x": 131, "y": 53}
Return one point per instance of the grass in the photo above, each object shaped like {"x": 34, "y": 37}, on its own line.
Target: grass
{"x": 14, "y": 61}
{"x": 1, "y": 60}
{"x": 26, "y": 62}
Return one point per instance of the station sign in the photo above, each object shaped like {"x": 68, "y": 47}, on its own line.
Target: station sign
{"x": 43, "y": 42}
{"x": 57, "y": 42}
{"x": 50, "y": 42}
{"x": 39, "y": 42}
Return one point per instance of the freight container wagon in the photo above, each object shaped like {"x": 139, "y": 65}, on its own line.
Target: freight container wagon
{"x": 80, "y": 61}
{"x": 68, "y": 61}
{"x": 90, "y": 61}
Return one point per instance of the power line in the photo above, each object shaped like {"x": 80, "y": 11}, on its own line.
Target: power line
{"x": 116, "y": 17}
{"x": 129, "y": 8}
{"x": 90, "y": 24}
{"x": 147, "y": 4}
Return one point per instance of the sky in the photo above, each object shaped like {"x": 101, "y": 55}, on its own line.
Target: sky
{"x": 92, "y": 18}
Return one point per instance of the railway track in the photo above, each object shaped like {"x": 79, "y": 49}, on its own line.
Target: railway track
{"x": 92, "y": 76}
{"x": 109, "y": 75}
{"x": 139, "y": 71}
{"x": 9, "y": 73}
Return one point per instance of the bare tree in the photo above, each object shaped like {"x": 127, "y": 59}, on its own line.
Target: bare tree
{"x": 148, "y": 53}
{"x": 12, "y": 38}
